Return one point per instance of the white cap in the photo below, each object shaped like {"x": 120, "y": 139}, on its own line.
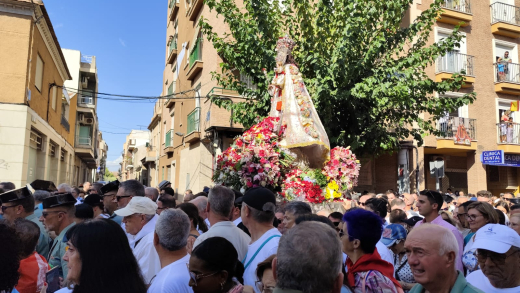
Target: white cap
{"x": 497, "y": 238}
{"x": 138, "y": 205}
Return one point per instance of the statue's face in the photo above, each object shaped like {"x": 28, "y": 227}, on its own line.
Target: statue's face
{"x": 279, "y": 66}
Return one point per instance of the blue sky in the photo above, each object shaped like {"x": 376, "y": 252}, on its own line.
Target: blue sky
{"x": 128, "y": 39}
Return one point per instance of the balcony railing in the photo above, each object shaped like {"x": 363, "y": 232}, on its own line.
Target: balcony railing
{"x": 86, "y": 100}
{"x": 65, "y": 123}
{"x": 502, "y": 12}
{"x": 457, "y": 128}
{"x": 507, "y": 72}
{"x": 193, "y": 121}
{"x": 173, "y": 44}
{"x": 196, "y": 52}
{"x": 454, "y": 62}
{"x": 457, "y": 5}
{"x": 168, "y": 139}
{"x": 84, "y": 140}
{"x": 86, "y": 59}
{"x": 508, "y": 133}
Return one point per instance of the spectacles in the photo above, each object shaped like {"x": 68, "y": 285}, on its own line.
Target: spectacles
{"x": 336, "y": 223}
{"x": 496, "y": 258}
{"x": 118, "y": 197}
{"x": 472, "y": 217}
{"x": 361, "y": 203}
{"x": 6, "y": 207}
{"x": 196, "y": 277}
{"x": 45, "y": 214}
{"x": 261, "y": 288}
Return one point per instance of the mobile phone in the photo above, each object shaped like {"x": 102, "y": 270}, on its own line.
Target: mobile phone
{"x": 53, "y": 279}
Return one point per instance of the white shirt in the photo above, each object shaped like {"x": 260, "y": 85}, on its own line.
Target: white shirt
{"x": 267, "y": 250}
{"x": 411, "y": 213}
{"x": 173, "y": 278}
{"x": 237, "y": 221}
{"x": 384, "y": 252}
{"x": 64, "y": 290}
{"x": 147, "y": 228}
{"x": 231, "y": 233}
{"x": 479, "y": 280}
{"x": 147, "y": 257}
{"x": 207, "y": 223}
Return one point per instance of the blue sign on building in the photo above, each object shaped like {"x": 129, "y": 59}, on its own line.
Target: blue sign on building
{"x": 498, "y": 158}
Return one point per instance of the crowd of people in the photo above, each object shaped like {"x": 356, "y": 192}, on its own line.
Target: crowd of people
{"x": 125, "y": 237}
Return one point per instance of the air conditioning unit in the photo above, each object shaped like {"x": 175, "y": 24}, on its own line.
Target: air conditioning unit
{"x": 88, "y": 121}
{"x": 84, "y": 82}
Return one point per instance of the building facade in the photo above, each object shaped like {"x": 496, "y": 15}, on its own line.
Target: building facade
{"x": 491, "y": 28}
{"x": 37, "y": 118}
{"x": 135, "y": 148}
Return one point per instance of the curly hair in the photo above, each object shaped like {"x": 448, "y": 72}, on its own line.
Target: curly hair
{"x": 10, "y": 257}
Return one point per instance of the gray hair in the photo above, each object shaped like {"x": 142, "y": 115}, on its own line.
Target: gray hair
{"x": 132, "y": 187}
{"x": 153, "y": 191}
{"x": 201, "y": 202}
{"x": 298, "y": 208}
{"x": 40, "y": 195}
{"x": 221, "y": 200}
{"x": 66, "y": 187}
{"x": 298, "y": 269}
{"x": 172, "y": 229}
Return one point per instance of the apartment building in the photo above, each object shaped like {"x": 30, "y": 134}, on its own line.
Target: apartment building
{"x": 37, "y": 117}
{"x": 188, "y": 130}
{"x": 135, "y": 148}
{"x": 101, "y": 162}
{"x": 84, "y": 86}
{"x": 491, "y": 28}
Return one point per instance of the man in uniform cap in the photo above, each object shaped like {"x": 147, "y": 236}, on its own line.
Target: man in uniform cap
{"x": 96, "y": 202}
{"x": 109, "y": 192}
{"x": 19, "y": 203}
{"x": 58, "y": 216}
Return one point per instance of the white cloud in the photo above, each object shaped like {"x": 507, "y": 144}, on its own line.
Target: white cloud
{"x": 122, "y": 42}
{"x": 114, "y": 165}
{"x": 58, "y": 25}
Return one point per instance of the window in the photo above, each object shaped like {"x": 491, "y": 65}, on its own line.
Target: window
{"x": 63, "y": 153}
{"x": 53, "y": 97}
{"x": 169, "y": 173}
{"x": 197, "y": 96}
{"x": 52, "y": 150}
{"x": 36, "y": 141}
{"x": 38, "y": 78}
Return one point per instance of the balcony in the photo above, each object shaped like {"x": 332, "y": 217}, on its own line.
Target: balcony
{"x": 174, "y": 8}
{"x": 65, "y": 123}
{"x": 454, "y": 62}
{"x": 172, "y": 49}
{"x": 505, "y": 20}
{"x": 86, "y": 101}
{"x": 83, "y": 141}
{"x": 193, "y": 132}
{"x": 168, "y": 141}
{"x": 457, "y": 133}
{"x": 195, "y": 59}
{"x": 131, "y": 144}
{"x": 507, "y": 76}
{"x": 84, "y": 150}
{"x": 456, "y": 12}
{"x": 508, "y": 137}
{"x": 194, "y": 9}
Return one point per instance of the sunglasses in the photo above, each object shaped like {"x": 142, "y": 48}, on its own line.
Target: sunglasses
{"x": 496, "y": 258}
{"x": 362, "y": 203}
{"x": 196, "y": 277}
{"x": 336, "y": 223}
{"x": 45, "y": 214}
{"x": 279, "y": 221}
{"x": 6, "y": 207}
{"x": 119, "y": 197}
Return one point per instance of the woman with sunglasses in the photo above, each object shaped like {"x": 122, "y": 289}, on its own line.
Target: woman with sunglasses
{"x": 100, "y": 260}
{"x": 214, "y": 267}
{"x": 479, "y": 214}
{"x": 394, "y": 236}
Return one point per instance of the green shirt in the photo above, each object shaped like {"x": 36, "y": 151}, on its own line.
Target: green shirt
{"x": 58, "y": 250}
{"x": 460, "y": 286}
{"x": 43, "y": 242}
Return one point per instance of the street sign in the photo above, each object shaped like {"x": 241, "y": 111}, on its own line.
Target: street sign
{"x": 492, "y": 157}
{"x": 437, "y": 169}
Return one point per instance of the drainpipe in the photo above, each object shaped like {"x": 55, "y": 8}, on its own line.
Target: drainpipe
{"x": 416, "y": 164}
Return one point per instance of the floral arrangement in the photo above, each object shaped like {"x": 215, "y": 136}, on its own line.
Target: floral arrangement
{"x": 342, "y": 168}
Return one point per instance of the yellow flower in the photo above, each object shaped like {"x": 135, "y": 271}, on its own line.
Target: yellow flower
{"x": 332, "y": 190}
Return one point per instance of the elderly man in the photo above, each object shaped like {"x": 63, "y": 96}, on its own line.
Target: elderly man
{"x": 319, "y": 271}
{"x": 127, "y": 190}
{"x": 429, "y": 204}
{"x": 258, "y": 208}
{"x": 293, "y": 210}
{"x": 140, "y": 219}
{"x": 109, "y": 192}
{"x": 201, "y": 202}
{"x": 65, "y": 188}
{"x": 19, "y": 204}
{"x": 170, "y": 238}
{"x": 498, "y": 256}
{"x": 58, "y": 217}
{"x": 432, "y": 252}
{"x": 219, "y": 209}
{"x": 151, "y": 193}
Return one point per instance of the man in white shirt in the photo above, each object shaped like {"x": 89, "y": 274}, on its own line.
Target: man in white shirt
{"x": 258, "y": 208}
{"x": 170, "y": 239}
{"x": 498, "y": 255}
{"x": 139, "y": 218}
{"x": 219, "y": 208}
{"x": 202, "y": 202}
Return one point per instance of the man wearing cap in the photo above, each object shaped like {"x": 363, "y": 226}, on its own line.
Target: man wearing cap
{"x": 19, "y": 203}
{"x": 96, "y": 202}
{"x": 429, "y": 203}
{"x": 394, "y": 236}
{"x": 139, "y": 218}
{"x": 109, "y": 192}
{"x": 498, "y": 256}
{"x": 219, "y": 209}
{"x": 258, "y": 208}
{"x": 58, "y": 217}
{"x": 236, "y": 214}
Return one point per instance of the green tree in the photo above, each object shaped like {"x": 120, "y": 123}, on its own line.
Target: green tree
{"x": 109, "y": 176}
{"x": 364, "y": 70}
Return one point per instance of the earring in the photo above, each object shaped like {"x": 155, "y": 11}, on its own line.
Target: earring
{"x": 222, "y": 286}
